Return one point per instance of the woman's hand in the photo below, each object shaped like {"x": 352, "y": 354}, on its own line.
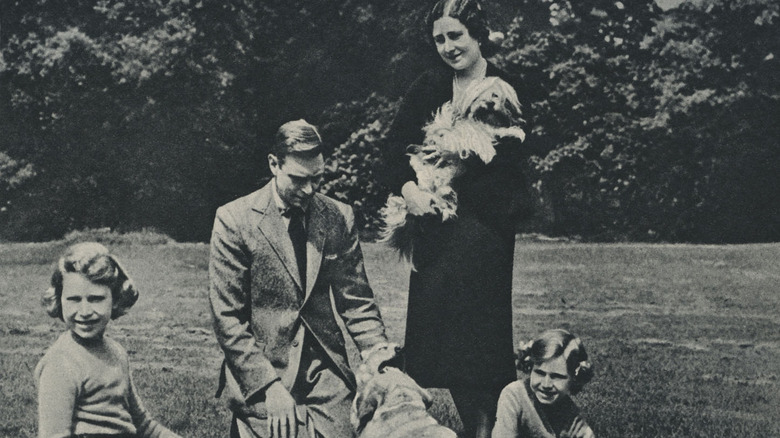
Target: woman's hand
{"x": 282, "y": 412}
{"x": 437, "y": 156}
{"x": 418, "y": 202}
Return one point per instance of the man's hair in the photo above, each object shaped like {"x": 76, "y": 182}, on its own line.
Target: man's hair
{"x": 297, "y": 137}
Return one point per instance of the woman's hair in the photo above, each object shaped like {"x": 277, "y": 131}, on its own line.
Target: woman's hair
{"x": 554, "y": 343}
{"x": 296, "y": 137}
{"x": 468, "y": 12}
{"x": 92, "y": 260}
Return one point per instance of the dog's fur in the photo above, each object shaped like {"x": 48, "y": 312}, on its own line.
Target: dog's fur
{"x": 390, "y": 404}
{"x": 487, "y": 111}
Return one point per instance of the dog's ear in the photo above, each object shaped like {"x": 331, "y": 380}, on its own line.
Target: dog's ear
{"x": 397, "y": 361}
{"x": 399, "y": 377}
{"x": 365, "y": 404}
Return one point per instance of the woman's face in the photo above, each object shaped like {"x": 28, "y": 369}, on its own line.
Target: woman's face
{"x": 550, "y": 380}
{"x": 454, "y": 43}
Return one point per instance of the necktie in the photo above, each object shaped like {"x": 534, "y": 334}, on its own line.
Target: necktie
{"x": 297, "y": 234}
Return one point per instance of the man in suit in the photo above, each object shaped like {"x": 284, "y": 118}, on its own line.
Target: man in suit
{"x": 284, "y": 262}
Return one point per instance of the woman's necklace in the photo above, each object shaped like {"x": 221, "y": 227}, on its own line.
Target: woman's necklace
{"x": 460, "y": 83}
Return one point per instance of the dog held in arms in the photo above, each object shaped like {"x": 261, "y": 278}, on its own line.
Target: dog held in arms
{"x": 470, "y": 127}
{"x": 389, "y": 403}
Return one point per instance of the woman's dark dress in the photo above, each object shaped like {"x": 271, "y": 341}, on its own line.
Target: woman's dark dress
{"x": 459, "y": 318}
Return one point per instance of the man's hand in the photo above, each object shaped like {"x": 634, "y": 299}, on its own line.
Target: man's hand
{"x": 282, "y": 412}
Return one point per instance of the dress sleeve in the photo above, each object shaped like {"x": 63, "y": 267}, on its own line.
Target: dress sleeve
{"x": 497, "y": 192}
{"x": 507, "y": 414}
{"x": 146, "y": 426}
{"x": 499, "y": 189}
{"x": 415, "y": 109}
{"x": 58, "y": 390}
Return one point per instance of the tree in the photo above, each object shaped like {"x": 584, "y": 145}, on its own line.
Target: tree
{"x": 122, "y": 116}
{"x": 153, "y": 113}
{"x": 633, "y": 96}
{"x": 645, "y": 124}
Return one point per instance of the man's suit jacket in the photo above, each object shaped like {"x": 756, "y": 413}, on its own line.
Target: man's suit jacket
{"x": 259, "y": 311}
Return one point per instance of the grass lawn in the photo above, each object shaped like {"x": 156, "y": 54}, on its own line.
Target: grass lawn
{"x": 685, "y": 339}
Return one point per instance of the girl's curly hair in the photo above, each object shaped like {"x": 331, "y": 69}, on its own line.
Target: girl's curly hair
{"x": 92, "y": 260}
{"x": 554, "y": 343}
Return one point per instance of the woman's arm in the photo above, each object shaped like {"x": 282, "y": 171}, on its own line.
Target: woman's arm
{"x": 421, "y": 100}
{"x": 498, "y": 191}
{"x": 395, "y": 171}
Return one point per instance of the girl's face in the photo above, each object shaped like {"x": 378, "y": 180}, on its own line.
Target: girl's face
{"x": 86, "y": 306}
{"x": 454, "y": 43}
{"x": 550, "y": 380}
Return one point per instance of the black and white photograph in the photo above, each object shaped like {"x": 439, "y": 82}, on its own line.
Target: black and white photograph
{"x": 389, "y": 219}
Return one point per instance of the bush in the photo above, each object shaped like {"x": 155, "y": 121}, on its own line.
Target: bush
{"x": 107, "y": 236}
{"x": 349, "y": 170}
{"x": 659, "y": 131}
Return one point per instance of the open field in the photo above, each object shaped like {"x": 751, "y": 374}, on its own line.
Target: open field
{"x": 685, "y": 339}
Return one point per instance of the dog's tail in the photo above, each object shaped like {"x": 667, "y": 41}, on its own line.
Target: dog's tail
{"x": 398, "y": 230}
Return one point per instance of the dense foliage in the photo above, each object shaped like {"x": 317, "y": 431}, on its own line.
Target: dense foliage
{"x": 658, "y": 124}
{"x": 647, "y": 124}
{"x": 350, "y": 168}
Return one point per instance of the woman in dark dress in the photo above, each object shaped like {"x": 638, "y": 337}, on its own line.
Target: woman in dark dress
{"x": 459, "y": 320}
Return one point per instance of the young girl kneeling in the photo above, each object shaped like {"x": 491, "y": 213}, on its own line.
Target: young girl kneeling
{"x": 540, "y": 406}
{"x": 84, "y": 384}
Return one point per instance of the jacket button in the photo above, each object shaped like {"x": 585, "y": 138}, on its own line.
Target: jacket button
{"x": 295, "y": 343}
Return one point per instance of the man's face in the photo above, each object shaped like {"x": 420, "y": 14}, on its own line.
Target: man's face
{"x": 297, "y": 177}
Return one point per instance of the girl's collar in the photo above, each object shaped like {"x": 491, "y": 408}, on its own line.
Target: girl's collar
{"x": 461, "y": 84}
{"x": 541, "y": 410}
{"x": 89, "y": 343}
{"x": 545, "y": 411}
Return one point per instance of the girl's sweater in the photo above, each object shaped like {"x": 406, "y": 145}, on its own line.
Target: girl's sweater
{"x": 520, "y": 415}
{"x": 84, "y": 387}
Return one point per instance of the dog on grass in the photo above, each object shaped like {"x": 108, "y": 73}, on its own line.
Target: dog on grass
{"x": 390, "y": 404}
{"x": 470, "y": 127}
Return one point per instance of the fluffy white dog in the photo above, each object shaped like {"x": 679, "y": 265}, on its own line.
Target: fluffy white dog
{"x": 485, "y": 113}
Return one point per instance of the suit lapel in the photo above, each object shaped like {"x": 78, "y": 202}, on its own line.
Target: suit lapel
{"x": 314, "y": 243}
{"x": 273, "y": 228}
